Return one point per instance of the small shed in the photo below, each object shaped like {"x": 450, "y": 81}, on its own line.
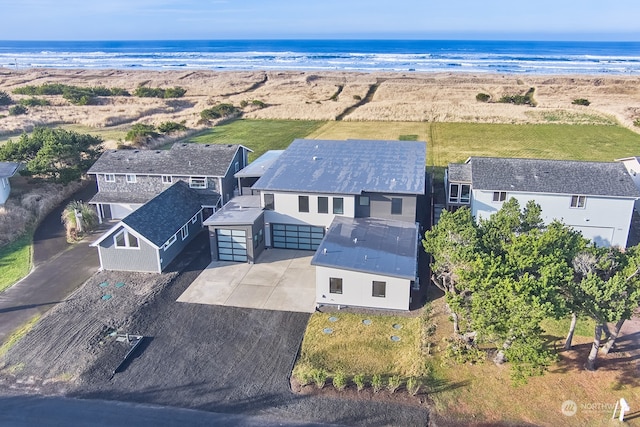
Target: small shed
{"x": 148, "y": 239}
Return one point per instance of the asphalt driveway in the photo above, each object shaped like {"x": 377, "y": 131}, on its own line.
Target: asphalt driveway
{"x": 281, "y": 279}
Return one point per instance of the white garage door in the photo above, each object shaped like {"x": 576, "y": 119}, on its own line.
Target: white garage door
{"x": 601, "y": 236}
{"x": 288, "y": 236}
{"x": 121, "y": 210}
{"x": 232, "y": 245}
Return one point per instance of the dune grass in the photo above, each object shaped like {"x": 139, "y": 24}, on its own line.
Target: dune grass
{"x": 17, "y": 335}
{"x": 258, "y": 135}
{"x": 15, "y": 260}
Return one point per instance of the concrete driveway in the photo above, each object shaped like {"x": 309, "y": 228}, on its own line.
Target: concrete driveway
{"x": 282, "y": 280}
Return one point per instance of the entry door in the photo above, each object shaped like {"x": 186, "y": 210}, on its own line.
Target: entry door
{"x": 232, "y": 245}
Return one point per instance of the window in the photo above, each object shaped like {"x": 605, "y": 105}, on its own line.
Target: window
{"x": 303, "y": 203}
{"x": 459, "y": 193}
{"x": 396, "y": 206}
{"x": 578, "y": 201}
{"x": 167, "y": 179}
{"x": 269, "y": 202}
{"x": 335, "y": 285}
{"x": 184, "y": 231}
{"x": 323, "y": 204}
{"x": 109, "y": 177}
{"x": 169, "y": 242}
{"x": 131, "y": 179}
{"x": 363, "y": 200}
{"x": 124, "y": 240}
{"x": 194, "y": 219}
{"x": 499, "y": 196}
{"x": 379, "y": 289}
{"x": 260, "y": 235}
{"x": 197, "y": 182}
{"x": 237, "y": 167}
{"x": 338, "y": 205}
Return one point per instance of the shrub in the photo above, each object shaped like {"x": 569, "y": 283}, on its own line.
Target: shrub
{"x": 525, "y": 99}
{"x": 394, "y": 383}
{"x": 340, "y": 381}
{"x": 219, "y": 111}
{"x": 358, "y": 380}
{"x": 319, "y": 377}
{"x": 244, "y": 103}
{"x": 140, "y": 131}
{"x": 34, "y": 102}
{"x": 168, "y": 127}
{"x": 150, "y": 92}
{"x": 581, "y": 101}
{"x": 304, "y": 377}
{"x": 5, "y": 99}
{"x": 413, "y": 386}
{"x": 483, "y": 97}
{"x": 258, "y": 103}
{"x": 88, "y": 220}
{"x": 17, "y": 110}
{"x": 636, "y": 123}
{"x": 377, "y": 383}
{"x": 357, "y": 97}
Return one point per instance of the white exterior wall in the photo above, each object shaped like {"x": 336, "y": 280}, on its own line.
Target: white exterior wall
{"x": 357, "y": 289}
{"x": 633, "y": 167}
{"x": 5, "y": 189}
{"x": 605, "y": 220}
{"x": 286, "y": 209}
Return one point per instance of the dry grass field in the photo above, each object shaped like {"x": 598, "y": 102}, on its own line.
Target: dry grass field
{"x": 348, "y": 96}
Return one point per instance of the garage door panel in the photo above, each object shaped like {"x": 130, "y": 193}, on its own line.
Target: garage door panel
{"x": 288, "y": 236}
{"x": 232, "y": 245}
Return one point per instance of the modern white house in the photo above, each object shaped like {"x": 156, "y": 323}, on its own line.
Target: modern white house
{"x": 354, "y": 203}
{"x": 7, "y": 170}
{"x": 595, "y": 198}
{"x": 633, "y": 167}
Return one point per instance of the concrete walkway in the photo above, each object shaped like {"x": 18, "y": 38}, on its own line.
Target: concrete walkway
{"x": 282, "y": 280}
{"x": 59, "y": 269}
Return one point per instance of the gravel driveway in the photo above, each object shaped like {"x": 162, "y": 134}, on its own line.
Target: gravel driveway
{"x": 212, "y": 358}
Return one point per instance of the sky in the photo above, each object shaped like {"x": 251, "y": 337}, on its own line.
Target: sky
{"x": 320, "y": 19}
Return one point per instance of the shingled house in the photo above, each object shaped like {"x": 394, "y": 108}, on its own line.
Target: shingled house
{"x": 595, "y": 198}
{"x": 127, "y": 179}
{"x": 149, "y": 238}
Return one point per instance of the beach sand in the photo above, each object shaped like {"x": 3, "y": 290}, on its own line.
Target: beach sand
{"x": 309, "y": 95}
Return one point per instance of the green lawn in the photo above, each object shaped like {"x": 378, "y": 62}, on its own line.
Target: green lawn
{"x": 258, "y": 135}
{"x": 15, "y": 260}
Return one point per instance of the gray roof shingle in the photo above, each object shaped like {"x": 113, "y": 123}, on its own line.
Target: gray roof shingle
{"x": 8, "y": 169}
{"x": 348, "y": 167}
{"x": 552, "y": 176}
{"x": 370, "y": 245}
{"x": 459, "y": 172}
{"x": 186, "y": 159}
{"x": 165, "y": 214}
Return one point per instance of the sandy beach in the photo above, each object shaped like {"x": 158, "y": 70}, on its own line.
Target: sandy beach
{"x": 349, "y": 96}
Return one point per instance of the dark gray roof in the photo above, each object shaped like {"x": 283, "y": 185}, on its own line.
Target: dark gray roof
{"x": 187, "y": 159}
{"x": 165, "y": 214}
{"x": 552, "y": 176}
{"x": 240, "y": 210}
{"x": 348, "y": 167}
{"x": 459, "y": 172}
{"x": 259, "y": 165}
{"x": 8, "y": 169}
{"x": 383, "y": 247}
{"x": 122, "y": 197}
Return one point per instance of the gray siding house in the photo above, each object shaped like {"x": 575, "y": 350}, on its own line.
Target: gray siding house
{"x": 151, "y": 237}
{"x": 127, "y": 179}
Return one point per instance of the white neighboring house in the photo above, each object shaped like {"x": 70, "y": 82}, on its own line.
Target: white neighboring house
{"x": 7, "y": 170}
{"x": 633, "y": 167}
{"x": 595, "y": 198}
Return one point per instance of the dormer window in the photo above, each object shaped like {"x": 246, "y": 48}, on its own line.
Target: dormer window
{"x": 198, "y": 182}
{"x": 578, "y": 202}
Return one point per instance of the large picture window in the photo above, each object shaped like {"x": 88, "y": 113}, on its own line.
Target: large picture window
{"x": 335, "y": 285}
{"x": 125, "y": 240}
{"x": 459, "y": 193}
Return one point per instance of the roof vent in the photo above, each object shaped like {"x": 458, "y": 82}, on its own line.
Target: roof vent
{"x": 207, "y": 145}
{"x": 136, "y": 151}
{"x": 316, "y": 146}
{"x": 324, "y": 251}
{"x": 229, "y": 145}
{"x": 315, "y": 158}
{"x": 365, "y": 257}
{"x": 158, "y": 151}
{"x": 355, "y": 240}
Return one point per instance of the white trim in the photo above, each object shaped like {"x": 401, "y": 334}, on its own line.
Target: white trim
{"x": 195, "y": 217}
{"x": 198, "y": 178}
{"x": 126, "y": 235}
{"x": 109, "y": 177}
{"x": 578, "y": 198}
{"x": 131, "y": 178}
{"x": 167, "y": 179}
{"x": 184, "y": 231}
{"x": 131, "y": 230}
{"x": 170, "y": 241}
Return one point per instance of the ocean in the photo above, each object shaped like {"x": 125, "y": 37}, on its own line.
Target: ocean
{"x": 510, "y": 57}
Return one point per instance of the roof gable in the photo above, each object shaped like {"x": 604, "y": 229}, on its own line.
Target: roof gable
{"x": 186, "y": 159}
{"x": 164, "y": 215}
{"x": 552, "y": 176}
{"x": 348, "y": 167}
